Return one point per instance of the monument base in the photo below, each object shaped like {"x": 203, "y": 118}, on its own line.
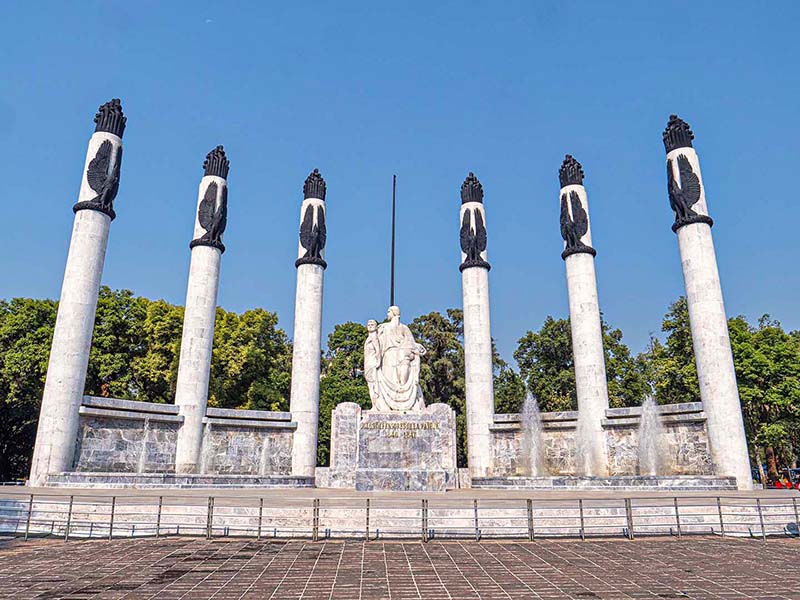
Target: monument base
{"x": 629, "y": 483}
{"x": 171, "y": 480}
{"x": 393, "y": 451}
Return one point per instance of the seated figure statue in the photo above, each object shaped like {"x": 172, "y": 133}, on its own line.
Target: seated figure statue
{"x": 391, "y": 365}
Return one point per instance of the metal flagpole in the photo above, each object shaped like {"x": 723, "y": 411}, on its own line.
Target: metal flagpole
{"x": 394, "y": 204}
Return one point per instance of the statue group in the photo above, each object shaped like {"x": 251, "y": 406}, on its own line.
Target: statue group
{"x": 392, "y": 365}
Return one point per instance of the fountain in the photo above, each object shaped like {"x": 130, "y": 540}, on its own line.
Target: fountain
{"x": 651, "y": 448}
{"x": 532, "y": 460}
{"x": 207, "y": 453}
{"x": 140, "y": 467}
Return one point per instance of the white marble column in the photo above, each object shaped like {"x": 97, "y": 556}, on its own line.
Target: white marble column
{"x": 478, "y": 371}
{"x": 307, "y": 343}
{"x": 584, "y": 316}
{"x": 194, "y": 368}
{"x": 710, "y": 339}
{"x": 72, "y": 339}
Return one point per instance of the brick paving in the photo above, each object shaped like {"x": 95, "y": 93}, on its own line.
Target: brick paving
{"x": 174, "y": 567}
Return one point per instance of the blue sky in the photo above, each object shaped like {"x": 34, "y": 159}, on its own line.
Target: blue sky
{"x": 427, "y": 90}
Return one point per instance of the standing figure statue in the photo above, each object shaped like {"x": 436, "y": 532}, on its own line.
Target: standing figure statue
{"x": 392, "y": 364}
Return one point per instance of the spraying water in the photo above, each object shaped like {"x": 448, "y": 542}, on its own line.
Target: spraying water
{"x": 585, "y": 460}
{"x": 651, "y": 455}
{"x": 206, "y": 456}
{"x": 143, "y": 453}
{"x": 532, "y": 461}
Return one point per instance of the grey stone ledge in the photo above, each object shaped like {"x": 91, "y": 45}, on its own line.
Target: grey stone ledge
{"x": 260, "y": 415}
{"x": 132, "y": 405}
{"x": 105, "y": 413}
{"x": 254, "y": 423}
{"x": 699, "y": 417}
{"x": 172, "y": 480}
{"x": 560, "y": 416}
{"x": 663, "y": 409}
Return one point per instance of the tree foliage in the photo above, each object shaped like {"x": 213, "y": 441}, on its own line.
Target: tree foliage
{"x": 547, "y": 368}
{"x": 136, "y": 349}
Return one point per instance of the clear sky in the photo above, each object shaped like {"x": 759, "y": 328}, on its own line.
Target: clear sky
{"x": 427, "y": 90}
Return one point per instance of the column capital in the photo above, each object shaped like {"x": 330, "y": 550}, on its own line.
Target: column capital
{"x": 110, "y": 118}
{"x": 677, "y": 134}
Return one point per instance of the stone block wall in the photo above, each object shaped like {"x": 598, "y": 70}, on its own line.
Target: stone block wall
{"x": 126, "y": 437}
{"x": 373, "y": 450}
{"x": 684, "y": 441}
{"x": 123, "y": 436}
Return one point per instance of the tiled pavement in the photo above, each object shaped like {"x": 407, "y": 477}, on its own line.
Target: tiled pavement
{"x": 170, "y": 568}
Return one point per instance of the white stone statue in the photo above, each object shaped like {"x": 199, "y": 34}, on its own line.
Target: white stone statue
{"x": 391, "y": 365}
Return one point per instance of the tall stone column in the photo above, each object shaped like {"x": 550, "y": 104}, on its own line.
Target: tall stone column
{"x": 712, "y": 347}
{"x": 194, "y": 368}
{"x": 478, "y": 372}
{"x": 307, "y": 354}
{"x": 584, "y": 316}
{"x": 72, "y": 339}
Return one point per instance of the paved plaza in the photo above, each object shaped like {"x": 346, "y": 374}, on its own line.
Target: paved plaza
{"x": 170, "y": 568}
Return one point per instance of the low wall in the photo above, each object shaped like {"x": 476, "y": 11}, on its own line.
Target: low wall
{"x": 124, "y": 436}
{"x": 684, "y": 441}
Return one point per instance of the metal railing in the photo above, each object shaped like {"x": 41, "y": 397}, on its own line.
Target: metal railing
{"x": 87, "y": 515}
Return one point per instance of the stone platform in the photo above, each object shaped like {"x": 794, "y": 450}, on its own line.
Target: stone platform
{"x": 392, "y": 451}
{"x": 170, "y": 480}
{"x": 620, "y": 482}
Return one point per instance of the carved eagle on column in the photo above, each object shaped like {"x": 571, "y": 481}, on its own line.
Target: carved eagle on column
{"x": 313, "y": 235}
{"x": 574, "y": 226}
{"x": 212, "y": 217}
{"x": 682, "y": 198}
{"x": 473, "y": 241}
{"x": 102, "y": 178}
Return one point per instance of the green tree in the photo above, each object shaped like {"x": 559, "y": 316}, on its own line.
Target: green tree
{"x": 670, "y": 366}
{"x": 26, "y": 331}
{"x": 547, "y": 368}
{"x": 155, "y": 371}
{"x": 342, "y": 380}
{"x": 442, "y": 368}
{"x": 117, "y": 340}
{"x": 251, "y": 362}
{"x": 767, "y": 362}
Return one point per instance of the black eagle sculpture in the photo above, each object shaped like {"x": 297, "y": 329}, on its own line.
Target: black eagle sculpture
{"x": 102, "y": 176}
{"x": 574, "y": 226}
{"x": 682, "y": 198}
{"x": 473, "y": 240}
{"x": 212, "y": 217}
{"x": 313, "y": 233}
{"x": 313, "y": 236}
{"x": 472, "y": 235}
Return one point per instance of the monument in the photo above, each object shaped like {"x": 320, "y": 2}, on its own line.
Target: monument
{"x": 478, "y": 365}
{"x": 400, "y": 442}
{"x": 391, "y": 365}
{"x": 307, "y": 352}
{"x": 194, "y": 367}
{"x": 584, "y": 317}
{"x": 707, "y": 319}
{"x": 72, "y": 339}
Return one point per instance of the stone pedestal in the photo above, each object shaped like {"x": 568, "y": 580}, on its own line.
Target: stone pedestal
{"x": 307, "y": 342}
{"x": 393, "y": 451}
{"x": 194, "y": 368}
{"x": 72, "y": 339}
{"x": 709, "y": 324}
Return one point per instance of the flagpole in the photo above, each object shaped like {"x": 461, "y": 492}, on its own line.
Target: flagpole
{"x": 394, "y": 205}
